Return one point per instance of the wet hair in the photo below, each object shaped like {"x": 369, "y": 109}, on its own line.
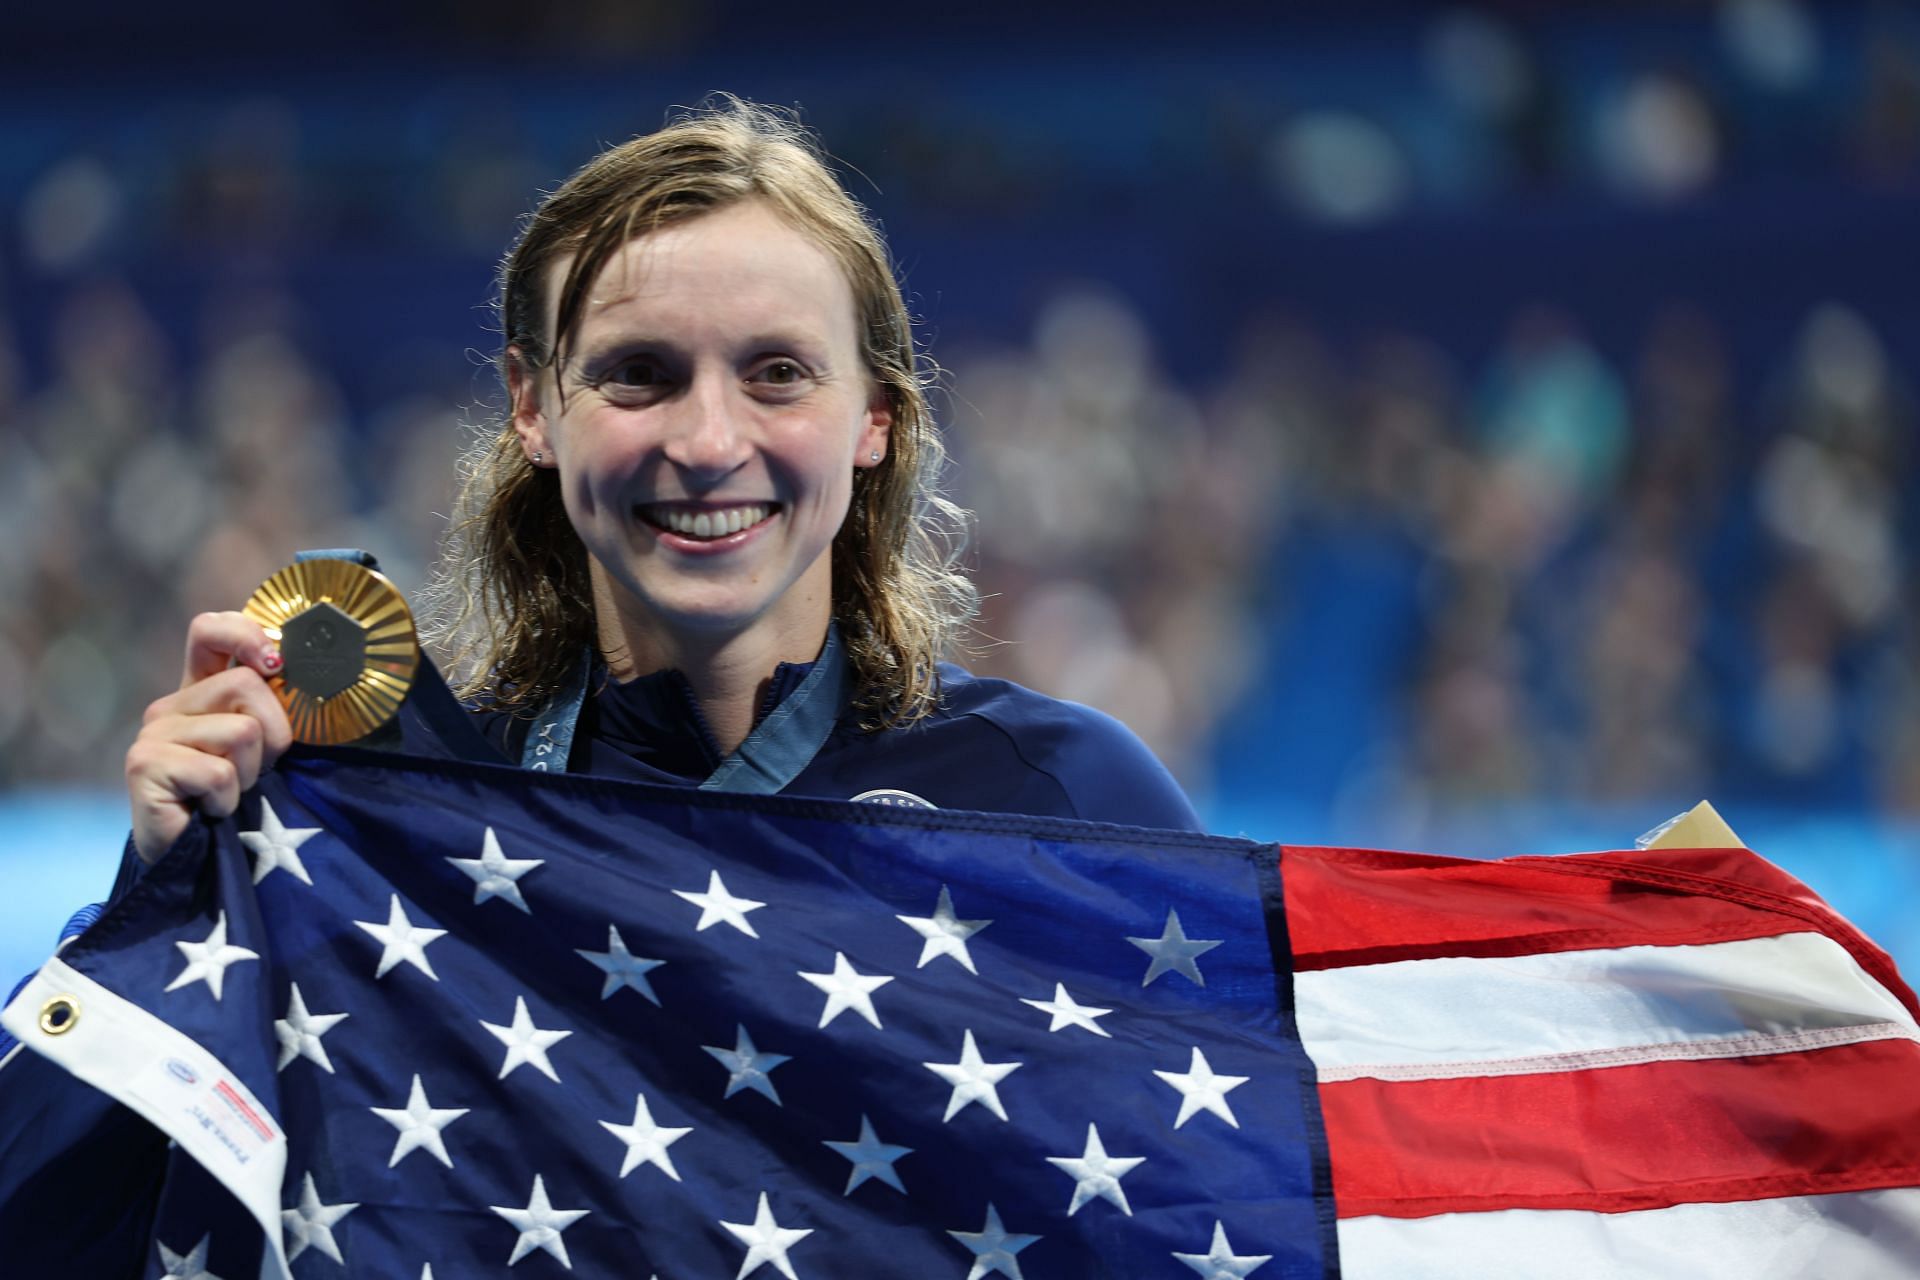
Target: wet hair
{"x": 512, "y": 607}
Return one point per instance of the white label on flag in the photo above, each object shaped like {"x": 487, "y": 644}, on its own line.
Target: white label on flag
{"x": 168, "y": 1078}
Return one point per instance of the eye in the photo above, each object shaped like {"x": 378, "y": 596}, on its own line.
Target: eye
{"x": 780, "y": 373}
{"x": 638, "y": 374}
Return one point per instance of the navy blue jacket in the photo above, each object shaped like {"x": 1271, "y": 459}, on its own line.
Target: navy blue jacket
{"x": 991, "y": 745}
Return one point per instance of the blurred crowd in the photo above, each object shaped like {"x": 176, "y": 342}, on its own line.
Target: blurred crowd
{"x": 1597, "y": 583}
{"x": 143, "y": 489}
{"x": 1375, "y": 568}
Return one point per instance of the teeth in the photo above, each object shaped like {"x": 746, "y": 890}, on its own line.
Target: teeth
{"x": 710, "y": 524}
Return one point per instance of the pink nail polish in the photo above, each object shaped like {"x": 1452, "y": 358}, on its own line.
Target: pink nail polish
{"x": 272, "y": 661}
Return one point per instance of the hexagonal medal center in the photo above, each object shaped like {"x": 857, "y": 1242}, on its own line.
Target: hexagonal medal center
{"x": 325, "y": 650}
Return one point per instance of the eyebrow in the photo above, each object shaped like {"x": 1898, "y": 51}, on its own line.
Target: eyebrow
{"x": 594, "y": 350}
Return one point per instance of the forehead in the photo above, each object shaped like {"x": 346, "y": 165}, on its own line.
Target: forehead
{"x": 742, "y": 266}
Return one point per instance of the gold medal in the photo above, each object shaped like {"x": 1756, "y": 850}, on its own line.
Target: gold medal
{"x": 346, "y": 635}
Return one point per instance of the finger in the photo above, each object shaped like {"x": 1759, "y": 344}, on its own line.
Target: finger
{"x": 166, "y": 782}
{"x": 239, "y": 690}
{"x": 216, "y": 641}
{"x": 237, "y": 736}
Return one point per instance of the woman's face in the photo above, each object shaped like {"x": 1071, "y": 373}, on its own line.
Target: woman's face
{"x": 706, "y": 427}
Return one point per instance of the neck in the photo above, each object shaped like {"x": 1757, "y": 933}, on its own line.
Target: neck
{"x": 729, "y": 673}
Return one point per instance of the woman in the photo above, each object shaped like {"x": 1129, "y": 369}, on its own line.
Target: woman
{"x": 703, "y": 547}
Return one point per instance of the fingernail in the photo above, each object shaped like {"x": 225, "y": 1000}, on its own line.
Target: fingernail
{"x": 272, "y": 659}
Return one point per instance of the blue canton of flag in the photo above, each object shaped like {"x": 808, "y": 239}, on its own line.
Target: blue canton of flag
{"x": 409, "y": 1018}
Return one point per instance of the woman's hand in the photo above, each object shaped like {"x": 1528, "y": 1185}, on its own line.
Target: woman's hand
{"x": 205, "y": 745}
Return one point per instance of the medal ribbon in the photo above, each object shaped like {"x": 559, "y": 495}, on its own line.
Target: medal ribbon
{"x": 773, "y": 755}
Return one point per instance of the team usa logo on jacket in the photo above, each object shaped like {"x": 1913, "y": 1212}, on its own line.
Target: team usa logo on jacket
{"x": 898, "y": 799}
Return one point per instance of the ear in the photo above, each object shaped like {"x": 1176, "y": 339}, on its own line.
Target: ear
{"x": 877, "y": 435}
{"x": 528, "y": 418}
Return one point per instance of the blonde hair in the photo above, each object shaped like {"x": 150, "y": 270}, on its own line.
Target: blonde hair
{"x": 512, "y": 606}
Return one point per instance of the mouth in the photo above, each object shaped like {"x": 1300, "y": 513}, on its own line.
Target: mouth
{"x": 706, "y": 523}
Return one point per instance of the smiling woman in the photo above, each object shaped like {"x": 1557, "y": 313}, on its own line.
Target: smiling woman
{"x": 705, "y": 432}
{"x": 704, "y": 545}
{"x": 605, "y": 297}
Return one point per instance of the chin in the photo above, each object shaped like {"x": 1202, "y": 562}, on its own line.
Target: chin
{"x": 706, "y": 610}
{"x": 696, "y": 610}
{"x": 715, "y": 622}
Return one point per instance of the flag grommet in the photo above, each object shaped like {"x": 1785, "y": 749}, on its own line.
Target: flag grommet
{"x": 58, "y": 1015}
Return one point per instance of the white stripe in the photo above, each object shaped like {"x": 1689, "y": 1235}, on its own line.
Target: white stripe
{"x": 1859, "y": 1235}
{"x": 1475, "y": 1010}
{"x": 169, "y": 1078}
{"x": 1637, "y": 1055}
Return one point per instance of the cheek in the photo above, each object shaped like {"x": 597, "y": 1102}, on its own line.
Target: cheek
{"x": 578, "y": 500}
{"x": 597, "y": 463}
{"x": 835, "y": 446}
{"x": 829, "y": 472}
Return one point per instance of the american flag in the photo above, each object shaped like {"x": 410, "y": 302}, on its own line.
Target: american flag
{"x": 1664, "y": 1062}
{"x": 413, "y": 1019}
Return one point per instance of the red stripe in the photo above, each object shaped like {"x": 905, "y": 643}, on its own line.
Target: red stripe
{"x": 247, "y": 1113}
{"x": 1361, "y": 906}
{"x": 1623, "y": 1138}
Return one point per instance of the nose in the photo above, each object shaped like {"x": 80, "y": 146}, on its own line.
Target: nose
{"x": 707, "y": 435}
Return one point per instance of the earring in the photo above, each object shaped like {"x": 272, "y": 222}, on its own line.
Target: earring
{"x": 874, "y": 456}
{"x": 538, "y": 457}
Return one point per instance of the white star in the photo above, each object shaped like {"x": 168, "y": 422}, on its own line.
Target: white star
{"x": 193, "y": 1266}
{"x": 973, "y": 1080}
{"x": 312, "y": 1223}
{"x": 300, "y": 1032}
{"x": 993, "y": 1248}
{"x": 747, "y": 1066}
{"x": 1173, "y": 950}
{"x": 646, "y": 1141}
{"x": 622, "y": 967}
{"x": 526, "y": 1042}
{"x": 766, "y": 1241}
{"x": 1221, "y": 1262}
{"x": 540, "y": 1225}
{"x": 945, "y": 934}
{"x": 419, "y": 1125}
{"x": 276, "y": 847}
{"x": 1068, "y": 1012}
{"x": 1202, "y": 1090}
{"x": 400, "y": 940}
{"x": 495, "y": 875}
{"x": 846, "y": 989}
{"x": 207, "y": 961}
{"x": 1097, "y": 1174}
{"x": 717, "y": 905}
{"x": 871, "y": 1158}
